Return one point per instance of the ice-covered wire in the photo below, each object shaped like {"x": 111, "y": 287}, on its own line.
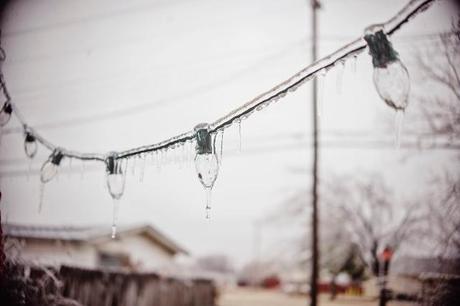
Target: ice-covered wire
{"x": 352, "y": 49}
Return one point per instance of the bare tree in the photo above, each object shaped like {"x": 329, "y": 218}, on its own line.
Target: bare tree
{"x": 372, "y": 216}
{"x": 355, "y": 212}
{"x": 441, "y": 229}
{"x": 439, "y": 71}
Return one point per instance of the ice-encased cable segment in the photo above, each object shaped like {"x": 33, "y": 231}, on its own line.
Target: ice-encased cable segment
{"x": 279, "y": 91}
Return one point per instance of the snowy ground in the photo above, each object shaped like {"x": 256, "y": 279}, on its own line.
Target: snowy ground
{"x": 252, "y": 297}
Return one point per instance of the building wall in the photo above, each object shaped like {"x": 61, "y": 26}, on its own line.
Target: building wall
{"x": 53, "y": 252}
{"x": 144, "y": 254}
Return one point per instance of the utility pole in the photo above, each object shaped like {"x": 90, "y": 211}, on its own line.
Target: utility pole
{"x": 315, "y": 5}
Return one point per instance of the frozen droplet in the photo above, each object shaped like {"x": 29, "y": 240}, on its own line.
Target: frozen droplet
{"x": 262, "y": 106}
{"x": 5, "y": 113}
{"x": 391, "y": 78}
{"x": 48, "y": 171}
{"x": 116, "y": 182}
{"x": 393, "y": 84}
{"x": 114, "y": 231}
{"x": 399, "y": 119}
{"x": 207, "y": 168}
{"x": 30, "y": 146}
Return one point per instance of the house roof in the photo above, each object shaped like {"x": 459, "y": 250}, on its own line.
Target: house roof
{"x": 89, "y": 233}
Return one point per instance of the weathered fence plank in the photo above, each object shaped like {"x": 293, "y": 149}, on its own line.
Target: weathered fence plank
{"x": 116, "y": 288}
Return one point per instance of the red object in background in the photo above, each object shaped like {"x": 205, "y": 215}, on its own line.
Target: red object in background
{"x": 387, "y": 254}
{"x": 271, "y": 282}
{"x": 386, "y": 258}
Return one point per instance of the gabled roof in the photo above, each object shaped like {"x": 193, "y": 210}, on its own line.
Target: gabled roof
{"x": 89, "y": 234}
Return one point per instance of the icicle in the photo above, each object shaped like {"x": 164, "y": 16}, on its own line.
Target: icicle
{"x": 158, "y": 160}
{"x": 176, "y": 156}
{"x": 82, "y": 170}
{"x": 115, "y": 209}
{"x": 69, "y": 173}
{"x": 29, "y": 169}
{"x": 190, "y": 155}
{"x": 41, "y": 197}
{"x": 354, "y": 62}
{"x": 208, "y": 202}
{"x": 399, "y": 118}
{"x": 239, "y": 135}
{"x": 181, "y": 156}
{"x": 142, "y": 170}
{"x": 339, "y": 71}
{"x": 319, "y": 101}
{"x": 221, "y": 146}
{"x": 133, "y": 166}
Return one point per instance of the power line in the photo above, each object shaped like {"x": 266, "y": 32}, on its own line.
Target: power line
{"x": 404, "y": 40}
{"x": 133, "y": 110}
{"x": 350, "y": 50}
{"x": 141, "y": 108}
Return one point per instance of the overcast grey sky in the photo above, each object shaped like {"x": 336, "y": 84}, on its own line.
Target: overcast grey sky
{"x": 138, "y": 72}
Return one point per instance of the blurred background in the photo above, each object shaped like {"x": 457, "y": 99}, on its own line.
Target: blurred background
{"x": 101, "y": 76}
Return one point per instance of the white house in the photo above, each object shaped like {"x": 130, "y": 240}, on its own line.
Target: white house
{"x": 136, "y": 248}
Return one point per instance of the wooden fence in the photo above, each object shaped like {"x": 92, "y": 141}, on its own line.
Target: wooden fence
{"x": 106, "y": 288}
{"x": 97, "y": 288}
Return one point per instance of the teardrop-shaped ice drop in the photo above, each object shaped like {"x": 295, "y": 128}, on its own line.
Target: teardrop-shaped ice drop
{"x": 50, "y": 168}
{"x": 207, "y": 168}
{"x": 30, "y": 147}
{"x": 48, "y": 171}
{"x": 116, "y": 185}
{"x": 115, "y": 177}
{"x": 5, "y": 113}
{"x": 393, "y": 84}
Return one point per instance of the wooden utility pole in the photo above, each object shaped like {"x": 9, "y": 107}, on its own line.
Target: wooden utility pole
{"x": 315, "y": 5}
